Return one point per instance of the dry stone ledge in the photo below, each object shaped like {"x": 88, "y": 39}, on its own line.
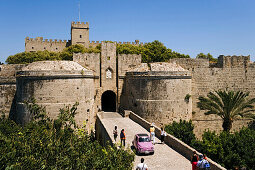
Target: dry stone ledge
{"x": 54, "y": 66}
{"x": 160, "y": 66}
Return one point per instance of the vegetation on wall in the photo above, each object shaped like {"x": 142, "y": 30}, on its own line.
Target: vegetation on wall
{"x": 66, "y": 54}
{"x": 56, "y": 144}
{"x": 207, "y": 56}
{"x": 231, "y": 150}
{"x": 228, "y": 105}
{"x": 151, "y": 52}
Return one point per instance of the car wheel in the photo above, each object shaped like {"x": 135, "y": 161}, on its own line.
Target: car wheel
{"x": 152, "y": 153}
{"x": 137, "y": 152}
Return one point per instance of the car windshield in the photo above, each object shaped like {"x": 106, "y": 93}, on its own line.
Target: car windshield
{"x": 145, "y": 139}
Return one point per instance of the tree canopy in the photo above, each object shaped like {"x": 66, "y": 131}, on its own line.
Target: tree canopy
{"x": 151, "y": 52}
{"x": 56, "y": 144}
{"x": 231, "y": 150}
{"x": 229, "y": 105}
{"x": 207, "y": 56}
{"x": 66, "y": 54}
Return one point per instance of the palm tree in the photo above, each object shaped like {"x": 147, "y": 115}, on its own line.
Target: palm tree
{"x": 229, "y": 105}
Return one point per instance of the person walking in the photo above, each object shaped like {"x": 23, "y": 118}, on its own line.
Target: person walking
{"x": 194, "y": 160}
{"x": 152, "y": 133}
{"x": 122, "y": 137}
{"x": 203, "y": 163}
{"x": 115, "y": 133}
{"x": 142, "y": 165}
{"x": 162, "y": 135}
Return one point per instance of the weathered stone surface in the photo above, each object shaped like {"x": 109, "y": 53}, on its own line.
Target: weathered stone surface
{"x": 155, "y": 91}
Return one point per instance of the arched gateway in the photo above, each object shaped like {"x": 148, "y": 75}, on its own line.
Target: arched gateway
{"x": 108, "y": 101}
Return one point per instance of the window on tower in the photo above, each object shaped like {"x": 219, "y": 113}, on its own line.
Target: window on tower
{"x": 80, "y": 36}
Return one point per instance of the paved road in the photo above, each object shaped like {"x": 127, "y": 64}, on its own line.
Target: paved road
{"x": 164, "y": 157}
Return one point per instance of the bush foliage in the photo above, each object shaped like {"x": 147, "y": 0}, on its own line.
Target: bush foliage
{"x": 66, "y": 54}
{"x": 47, "y": 144}
{"x": 207, "y": 56}
{"x": 151, "y": 52}
{"x": 182, "y": 130}
{"x": 231, "y": 150}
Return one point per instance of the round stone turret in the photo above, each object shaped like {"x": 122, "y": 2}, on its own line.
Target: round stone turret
{"x": 158, "y": 92}
{"x": 54, "y": 85}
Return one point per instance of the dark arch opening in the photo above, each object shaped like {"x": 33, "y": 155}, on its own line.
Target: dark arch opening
{"x": 108, "y": 101}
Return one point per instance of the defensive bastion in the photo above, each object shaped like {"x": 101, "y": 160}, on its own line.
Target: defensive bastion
{"x": 107, "y": 81}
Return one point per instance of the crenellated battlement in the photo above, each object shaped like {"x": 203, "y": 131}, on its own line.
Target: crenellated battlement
{"x": 133, "y": 43}
{"x": 80, "y": 25}
{"x": 41, "y": 40}
{"x": 233, "y": 61}
{"x": 95, "y": 43}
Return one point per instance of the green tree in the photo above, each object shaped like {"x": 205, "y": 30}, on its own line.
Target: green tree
{"x": 182, "y": 130}
{"x": 29, "y": 57}
{"x": 66, "y": 54}
{"x": 44, "y": 143}
{"x": 207, "y": 56}
{"x": 151, "y": 52}
{"x": 229, "y": 105}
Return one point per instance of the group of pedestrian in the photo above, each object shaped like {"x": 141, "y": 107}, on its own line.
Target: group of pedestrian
{"x": 152, "y": 134}
{"x": 122, "y": 136}
{"x": 199, "y": 162}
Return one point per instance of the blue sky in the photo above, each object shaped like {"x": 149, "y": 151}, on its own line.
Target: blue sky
{"x": 187, "y": 26}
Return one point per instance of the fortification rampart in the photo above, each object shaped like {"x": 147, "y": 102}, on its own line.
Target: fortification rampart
{"x": 232, "y": 72}
{"x": 56, "y": 88}
{"x": 40, "y": 44}
{"x": 8, "y": 88}
{"x": 96, "y": 43}
{"x": 158, "y": 96}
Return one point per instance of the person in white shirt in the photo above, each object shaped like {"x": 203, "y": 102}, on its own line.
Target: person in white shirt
{"x": 162, "y": 136}
{"x": 152, "y": 133}
{"x": 142, "y": 165}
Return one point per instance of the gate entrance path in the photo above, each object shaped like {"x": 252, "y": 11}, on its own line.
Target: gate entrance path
{"x": 164, "y": 158}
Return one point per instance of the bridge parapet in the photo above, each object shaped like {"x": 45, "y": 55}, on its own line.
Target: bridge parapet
{"x": 171, "y": 141}
{"x": 101, "y": 133}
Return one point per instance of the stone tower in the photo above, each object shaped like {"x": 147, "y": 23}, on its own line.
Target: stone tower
{"x": 80, "y": 33}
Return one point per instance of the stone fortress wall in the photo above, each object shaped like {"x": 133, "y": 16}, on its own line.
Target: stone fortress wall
{"x": 109, "y": 70}
{"x": 156, "y": 91}
{"x": 8, "y": 87}
{"x": 54, "y": 85}
{"x": 231, "y": 72}
{"x": 40, "y": 44}
{"x": 79, "y": 35}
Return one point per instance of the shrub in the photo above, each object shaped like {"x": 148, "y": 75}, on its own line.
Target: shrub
{"x": 151, "y": 52}
{"x": 66, "y": 54}
{"x": 228, "y": 149}
{"x": 182, "y": 130}
{"x": 47, "y": 144}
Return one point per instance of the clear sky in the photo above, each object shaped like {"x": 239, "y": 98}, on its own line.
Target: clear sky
{"x": 187, "y": 26}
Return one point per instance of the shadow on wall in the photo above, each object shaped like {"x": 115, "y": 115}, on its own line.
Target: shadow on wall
{"x": 12, "y": 113}
{"x": 108, "y": 101}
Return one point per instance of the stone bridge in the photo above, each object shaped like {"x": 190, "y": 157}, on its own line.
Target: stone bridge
{"x": 173, "y": 155}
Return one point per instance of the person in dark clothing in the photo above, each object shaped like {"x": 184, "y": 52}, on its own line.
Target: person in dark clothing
{"x": 115, "y": 133}
{"x": 122, "y": 137}
{"x": 194, "y": 160}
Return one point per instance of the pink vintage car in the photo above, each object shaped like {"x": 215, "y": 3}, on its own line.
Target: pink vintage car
{"x": 143, "y": 144}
